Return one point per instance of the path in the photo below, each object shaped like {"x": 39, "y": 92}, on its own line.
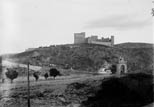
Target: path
{"x": 11, "y": 63}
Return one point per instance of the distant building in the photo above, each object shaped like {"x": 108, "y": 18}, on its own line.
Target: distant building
{"x": 80, "y": 38}
{"x": 30, "y": 49}
{"x": 105, "y": 69}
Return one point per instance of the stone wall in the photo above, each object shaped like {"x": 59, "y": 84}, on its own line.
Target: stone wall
{"x": 100, "y": 43}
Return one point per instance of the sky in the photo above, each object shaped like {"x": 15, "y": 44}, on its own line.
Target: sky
{"x": 34, "y": 23}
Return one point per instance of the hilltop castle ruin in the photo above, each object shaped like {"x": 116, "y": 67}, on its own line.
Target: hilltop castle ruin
{"x": 80, "y": 38}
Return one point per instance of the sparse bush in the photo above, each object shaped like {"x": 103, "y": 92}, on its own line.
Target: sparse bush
{"x": 54, "y": 72}
{"x": 36, "y": 75}
{"x": 11, "y": 74}
{"x": 46, "y": 76}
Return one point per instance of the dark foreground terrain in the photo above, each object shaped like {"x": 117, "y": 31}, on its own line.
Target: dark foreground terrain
{"x": 133, "y": 90}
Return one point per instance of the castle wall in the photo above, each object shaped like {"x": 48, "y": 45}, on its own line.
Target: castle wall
{"x": 100, "y": 43}
{"x": 94, "y": 38}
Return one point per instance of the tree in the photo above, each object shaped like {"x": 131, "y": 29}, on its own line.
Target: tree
{"x": 113, "y": 69}
{"x": 54, "y": 72}
{"x": 11, "y": 74}
{"x": 36, "y": 75}
{"x": 46, "y": 76}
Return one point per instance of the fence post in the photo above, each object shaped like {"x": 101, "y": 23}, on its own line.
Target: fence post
{"x": 28, "y": 87}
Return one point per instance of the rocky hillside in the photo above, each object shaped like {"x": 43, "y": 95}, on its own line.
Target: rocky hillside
{"x": 87, "y": 57}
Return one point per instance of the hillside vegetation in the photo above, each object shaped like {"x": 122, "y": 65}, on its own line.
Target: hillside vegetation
{"x": 139, "y": 56}
{"x": 135, "y": 45}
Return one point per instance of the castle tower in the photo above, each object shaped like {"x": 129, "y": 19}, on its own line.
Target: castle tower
{"x": 79, "y": 38}
{"x": 121, "y": 66}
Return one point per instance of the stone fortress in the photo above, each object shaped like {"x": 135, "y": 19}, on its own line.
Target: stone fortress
{"x": 80, "y": 38}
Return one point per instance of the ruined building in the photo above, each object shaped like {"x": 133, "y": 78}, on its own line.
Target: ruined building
{"x": 121, "y": 66}
{"x": 80, "y": 38}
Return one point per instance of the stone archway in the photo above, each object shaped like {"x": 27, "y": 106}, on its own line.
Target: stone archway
{"x": 121, "y": 66}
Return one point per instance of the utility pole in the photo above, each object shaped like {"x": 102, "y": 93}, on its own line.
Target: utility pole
{"x": 28, "y": 87}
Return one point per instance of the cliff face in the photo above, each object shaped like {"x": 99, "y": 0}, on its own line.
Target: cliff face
{"x": 90, "y": 57}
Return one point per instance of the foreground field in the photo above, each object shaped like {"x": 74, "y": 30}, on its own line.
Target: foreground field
{"x": 80, "y": 90}
{"x": 133, "y": 90}
{"x": 14, "y": 95}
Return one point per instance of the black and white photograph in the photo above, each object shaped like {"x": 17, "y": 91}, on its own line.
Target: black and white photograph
{"x": 76, "y": 53}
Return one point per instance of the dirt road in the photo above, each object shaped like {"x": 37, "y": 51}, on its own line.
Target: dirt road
{"x": 13, "y": 64}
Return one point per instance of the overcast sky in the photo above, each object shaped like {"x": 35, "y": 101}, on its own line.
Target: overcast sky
{"x": 33, "y": 23}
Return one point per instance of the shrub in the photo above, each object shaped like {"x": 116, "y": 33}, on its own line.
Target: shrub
{"x": 113, "y": 69}
{"x": 54, "y": 72}
{"x": 46, "y": 76}
{"x": 36, "y": 75}
{"x": 11, "y": 74}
